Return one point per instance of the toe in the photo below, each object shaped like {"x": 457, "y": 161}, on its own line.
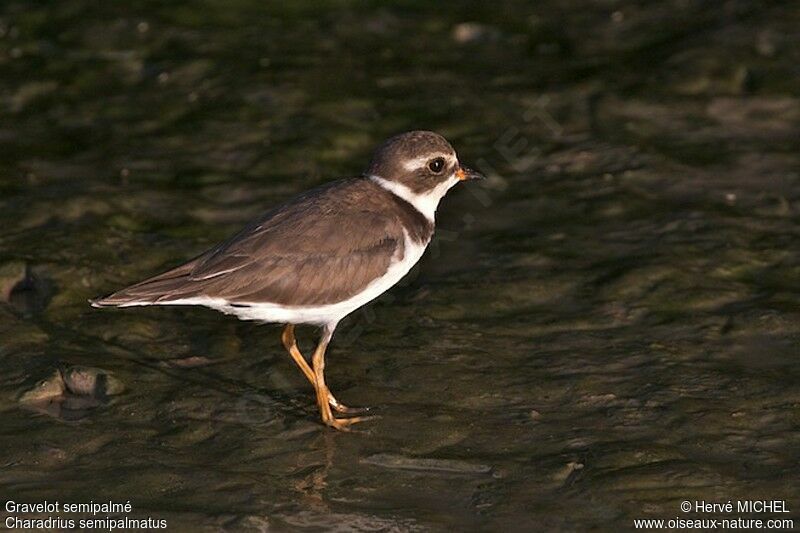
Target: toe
{"x": 340, "y": 408}
{"x": 343, "y": 424}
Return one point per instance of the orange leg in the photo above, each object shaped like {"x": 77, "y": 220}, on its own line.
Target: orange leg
{"x": 323, "y": 394}
{"x": 290, "y": 343}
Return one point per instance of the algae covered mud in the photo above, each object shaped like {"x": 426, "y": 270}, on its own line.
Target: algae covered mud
{"x": 606, "y": 329}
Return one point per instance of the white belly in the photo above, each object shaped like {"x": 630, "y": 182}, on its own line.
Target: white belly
{"x": 318, "y": 315}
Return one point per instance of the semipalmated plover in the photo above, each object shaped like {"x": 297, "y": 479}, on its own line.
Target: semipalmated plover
{"x": 322, "y": 255}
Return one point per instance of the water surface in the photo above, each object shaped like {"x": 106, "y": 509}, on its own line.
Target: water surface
{"x": 607, "y": 327}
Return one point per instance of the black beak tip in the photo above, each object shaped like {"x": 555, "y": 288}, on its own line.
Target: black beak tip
{"x": 470, "y": 174}
{"x": 475, "y": 175}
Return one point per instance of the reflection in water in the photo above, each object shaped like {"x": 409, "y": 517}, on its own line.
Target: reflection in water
{"x": 311, "y": 486}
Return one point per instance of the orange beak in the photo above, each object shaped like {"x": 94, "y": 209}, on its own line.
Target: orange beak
{"x": 465, "y": 173}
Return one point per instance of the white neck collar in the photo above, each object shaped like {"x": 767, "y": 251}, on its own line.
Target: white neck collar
{"x": 427, "y": 202}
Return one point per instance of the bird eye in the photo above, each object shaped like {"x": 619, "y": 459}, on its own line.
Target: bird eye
{"x": 436, "y": 165}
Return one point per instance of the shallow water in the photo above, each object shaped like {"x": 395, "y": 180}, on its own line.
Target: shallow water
{"x": 605, "y": 328}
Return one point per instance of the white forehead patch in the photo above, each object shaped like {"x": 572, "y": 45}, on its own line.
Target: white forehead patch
{"x": 421, "y": 161}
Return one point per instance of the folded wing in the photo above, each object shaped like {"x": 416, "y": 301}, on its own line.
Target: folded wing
{"x": 319, "y": 248}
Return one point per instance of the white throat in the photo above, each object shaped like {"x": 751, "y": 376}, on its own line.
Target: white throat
{"x": 427, "y": 202}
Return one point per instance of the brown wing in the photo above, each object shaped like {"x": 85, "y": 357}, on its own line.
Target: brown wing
{"x": 319, "y": 248}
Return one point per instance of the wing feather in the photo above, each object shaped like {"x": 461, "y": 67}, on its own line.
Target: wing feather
{"x": 317, "y": 249}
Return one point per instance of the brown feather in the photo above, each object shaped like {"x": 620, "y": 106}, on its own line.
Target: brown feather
{"x": 319, "y": 248}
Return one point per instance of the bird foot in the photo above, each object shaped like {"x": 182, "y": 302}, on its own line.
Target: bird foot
{"x": 343, "y": 424}
{"x": 341, "y": 408}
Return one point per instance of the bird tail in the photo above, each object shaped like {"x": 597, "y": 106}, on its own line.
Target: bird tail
{"x": 172, "y": 285}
